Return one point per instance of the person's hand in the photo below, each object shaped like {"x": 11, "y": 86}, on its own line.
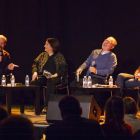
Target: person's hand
{"x": 55, "y": 75}
{"x": 52, "y": 76}
{"x": 34, "y": 76}
{"x": 92, "y": 69}
{"x": 79, "y": 71}
{"x": 11, "y": 66}
{"x": 137, "y": 76}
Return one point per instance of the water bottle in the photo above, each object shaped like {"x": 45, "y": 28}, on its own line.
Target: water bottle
{"x": 77, "y": 75}
{"x": 89, "y": 82}
{"x": 3, "y": 80}
{"x": 111, "y": 82}
{"x": 27, "y": 80}
{"x": 85, "y": 82}
{"x": 12, "y": 81}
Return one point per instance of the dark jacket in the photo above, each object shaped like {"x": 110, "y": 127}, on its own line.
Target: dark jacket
{"x": 4, "y": 63}
{"x": 61, "y": 65}
{"x": 74, "y": 128}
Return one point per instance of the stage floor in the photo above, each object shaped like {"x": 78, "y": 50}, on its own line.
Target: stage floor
{"x": 29, "y": 113}
{"x": 38, "y": 119}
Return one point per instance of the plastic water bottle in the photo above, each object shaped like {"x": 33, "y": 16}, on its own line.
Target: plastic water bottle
{"x": 85, "y": 82}
{"x": 27, "y": 80}
{"x": 12, "y": 81}
{"x": 77, "y": 75}
{"x": 89, "y": 82}
{"x": 111, "y": 82}
{"x": 3, "y": 80}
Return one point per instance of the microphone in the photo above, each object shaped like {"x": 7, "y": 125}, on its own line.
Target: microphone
{"x": 93, "y": 64}
{"x": 77, "y": 76}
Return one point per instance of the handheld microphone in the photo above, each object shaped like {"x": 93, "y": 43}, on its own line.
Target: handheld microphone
{"x": 77, "y": 76}
{"x": 93, "y": 64}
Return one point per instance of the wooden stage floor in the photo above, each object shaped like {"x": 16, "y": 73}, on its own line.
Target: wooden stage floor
{"x": 29, "y": 113}
{"x": 37, "y": 119}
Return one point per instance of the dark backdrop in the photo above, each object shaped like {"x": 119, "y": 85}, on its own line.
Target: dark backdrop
{"x": 79, "y": 25}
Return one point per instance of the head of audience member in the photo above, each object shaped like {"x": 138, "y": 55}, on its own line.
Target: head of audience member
{"x": 69, "y": 106}
{"x": 52, "y": 45}
{"x": 130, "y": 106}
{"x": 3, "y": 113}
{"x": 109, "y": 44}
{"x": 3, "y": 41}
{"x": 114, "y": 109}
{"x": 16, "y": 128}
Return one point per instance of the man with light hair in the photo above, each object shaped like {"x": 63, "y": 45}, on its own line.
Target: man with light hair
{"x": 5, "y": 59}
{"x": 101, "y": 62}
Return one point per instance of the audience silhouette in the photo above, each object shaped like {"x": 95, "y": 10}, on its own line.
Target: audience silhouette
{"x": 16, "y": 128}
{"x": 73, "y": 126}
{"x": 115, "y": 127}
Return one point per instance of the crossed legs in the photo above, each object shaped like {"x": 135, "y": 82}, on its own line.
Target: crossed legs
{"x": 125, "y": 80}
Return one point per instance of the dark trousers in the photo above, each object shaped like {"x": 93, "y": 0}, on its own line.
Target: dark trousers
{"x": 50, "y": 83}
{"x": 125, "y": 80}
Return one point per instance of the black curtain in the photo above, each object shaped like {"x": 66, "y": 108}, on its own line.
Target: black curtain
{"x": 79, "y": 25}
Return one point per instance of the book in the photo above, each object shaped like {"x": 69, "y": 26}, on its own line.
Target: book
{"x": 47, "y": 74}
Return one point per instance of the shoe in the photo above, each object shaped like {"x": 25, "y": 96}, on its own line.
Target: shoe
{"x": 29, "y": 108}
{"x": 44, "y": 111}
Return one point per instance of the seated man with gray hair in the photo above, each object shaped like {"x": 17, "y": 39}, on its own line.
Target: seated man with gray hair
{"x": 100, "y": 63}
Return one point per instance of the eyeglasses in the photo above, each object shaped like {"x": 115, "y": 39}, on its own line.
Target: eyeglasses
{"x": 109, "y": 42}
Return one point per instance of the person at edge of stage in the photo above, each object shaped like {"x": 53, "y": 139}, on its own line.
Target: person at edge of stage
{"x": 125, "y": 80}
{"x": 54, "y": 62}
{"x": 100, "y": 63}
{"x": 5, "y": 61}
{"x": 131, "y": 115}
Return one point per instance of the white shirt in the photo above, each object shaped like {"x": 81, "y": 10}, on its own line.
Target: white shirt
{"x": 105, "y": 52}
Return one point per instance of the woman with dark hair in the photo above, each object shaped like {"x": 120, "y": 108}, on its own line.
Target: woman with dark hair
{"x": 115, "y": 127}
{"x": 52, "y": 61}
{"x": 130, "y": 115}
